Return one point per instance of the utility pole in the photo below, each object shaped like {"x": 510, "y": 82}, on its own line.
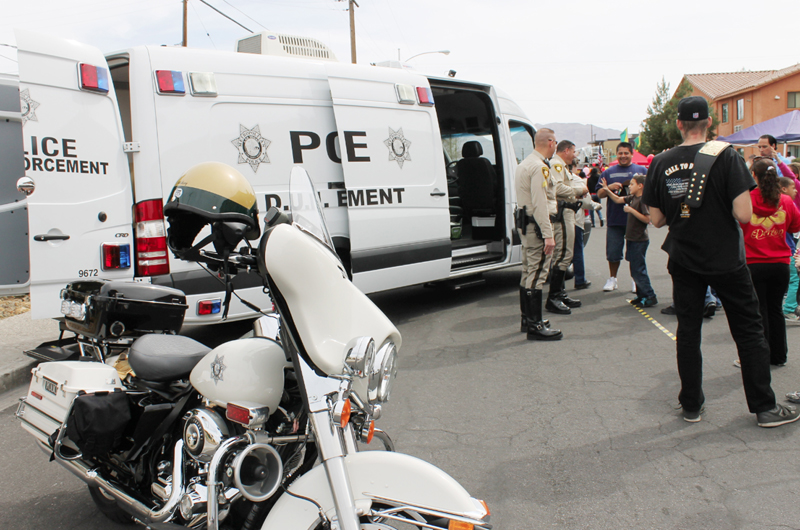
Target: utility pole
{"x": 185, "y": 26}
{"x": 353, "y": 31}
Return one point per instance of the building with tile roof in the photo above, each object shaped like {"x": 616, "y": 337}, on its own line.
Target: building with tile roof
{"x": 742, "y": 99}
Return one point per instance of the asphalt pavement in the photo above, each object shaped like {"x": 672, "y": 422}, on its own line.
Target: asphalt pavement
{"x": 584, "y": 433}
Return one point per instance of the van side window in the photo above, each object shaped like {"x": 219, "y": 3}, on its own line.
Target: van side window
{"x": 521, "y": 138}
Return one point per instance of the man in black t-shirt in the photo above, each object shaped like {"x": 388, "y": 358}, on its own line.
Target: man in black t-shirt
{"x": 705, "y": 248}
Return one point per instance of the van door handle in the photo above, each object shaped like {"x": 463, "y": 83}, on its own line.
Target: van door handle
{"x": 51, "y": 237}
{"x": 438, "y": 193}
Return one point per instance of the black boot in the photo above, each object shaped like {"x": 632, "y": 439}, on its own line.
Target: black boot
{"x": 564, "y": 297}
{"x": 554, "y": 304}
{"x": 537, "y": 330}
{"x": 523, "y": 311}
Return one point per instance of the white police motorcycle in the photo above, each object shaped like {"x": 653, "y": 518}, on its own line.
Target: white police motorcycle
{"x": 266, "y": 432}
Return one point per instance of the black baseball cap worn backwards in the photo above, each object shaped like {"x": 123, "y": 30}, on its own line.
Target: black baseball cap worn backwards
{"x": 693, "y": 108}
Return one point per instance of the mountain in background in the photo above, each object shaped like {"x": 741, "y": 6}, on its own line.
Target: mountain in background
{"x": 579, "y": 133}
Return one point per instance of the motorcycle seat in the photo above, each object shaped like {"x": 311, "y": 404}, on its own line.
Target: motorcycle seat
{"x": 157, "y": 357}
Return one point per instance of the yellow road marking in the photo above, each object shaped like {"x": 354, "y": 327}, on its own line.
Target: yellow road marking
{"x": 655, "y": 322}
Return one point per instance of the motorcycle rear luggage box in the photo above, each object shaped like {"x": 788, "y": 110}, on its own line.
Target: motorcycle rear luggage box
{"x": 53, "y": 387}
{"x": 119, "y": 308}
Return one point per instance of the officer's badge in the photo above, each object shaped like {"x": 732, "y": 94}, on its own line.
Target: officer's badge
{"x": 546, "y": 172}
{"x": 558, "y": 167}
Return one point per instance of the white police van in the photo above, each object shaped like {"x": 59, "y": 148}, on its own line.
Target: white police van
{"x": 416, "y": 173}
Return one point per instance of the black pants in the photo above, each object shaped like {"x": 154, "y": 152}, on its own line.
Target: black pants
{"x": 771, "y": 281}
{"x": 739, "y": 299}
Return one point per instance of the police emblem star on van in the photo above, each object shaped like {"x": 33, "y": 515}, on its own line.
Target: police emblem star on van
{"x": 252, "y": 147}
{"x": 398, "y": 146}
{"x": 27, "y": 106}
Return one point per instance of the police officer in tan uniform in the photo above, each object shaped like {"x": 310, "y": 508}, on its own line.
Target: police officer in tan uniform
{"x": 563, "y": 228}
{"x": 533, "y": 185}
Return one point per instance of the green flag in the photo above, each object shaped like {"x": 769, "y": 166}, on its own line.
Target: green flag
{"x": 624, "y": 136}
{"x": 638, "y": 141}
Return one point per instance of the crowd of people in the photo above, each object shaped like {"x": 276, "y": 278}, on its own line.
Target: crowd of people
{"x": 731, "y": 244}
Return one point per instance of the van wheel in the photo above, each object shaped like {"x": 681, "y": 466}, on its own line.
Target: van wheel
{"x": 108, "y": 505}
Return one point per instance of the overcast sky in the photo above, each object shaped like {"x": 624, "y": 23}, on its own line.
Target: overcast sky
{"x": 585, "y": 61}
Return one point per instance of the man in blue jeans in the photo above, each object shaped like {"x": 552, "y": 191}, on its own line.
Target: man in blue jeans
{"x": 617, "y": 177}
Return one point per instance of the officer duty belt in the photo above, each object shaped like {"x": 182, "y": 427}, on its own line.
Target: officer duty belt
{"x": 703, "y": 162}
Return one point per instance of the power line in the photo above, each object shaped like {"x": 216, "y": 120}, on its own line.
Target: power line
{"x": 226, "y": 16}
{"x": 245, "y": 14}
{"x": 204, "y": 27}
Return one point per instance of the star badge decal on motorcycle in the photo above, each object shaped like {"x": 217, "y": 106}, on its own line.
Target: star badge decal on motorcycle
{"x": 252, "y": 147}
{"x": 217, "y": 367}
{"x": 398, "y": 146}
{"x": 27, "y": 107}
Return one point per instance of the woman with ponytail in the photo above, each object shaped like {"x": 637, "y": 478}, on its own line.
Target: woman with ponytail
{"x": 768, "y": 254}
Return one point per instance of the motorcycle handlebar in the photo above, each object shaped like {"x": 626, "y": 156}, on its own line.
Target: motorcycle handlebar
{"x": 238, "y": 260}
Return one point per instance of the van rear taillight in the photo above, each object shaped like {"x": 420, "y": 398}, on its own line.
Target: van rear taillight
{"x": 151, "y": 239}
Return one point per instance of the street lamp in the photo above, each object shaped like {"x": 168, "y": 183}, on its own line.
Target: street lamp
{"x": 444, "y": 52}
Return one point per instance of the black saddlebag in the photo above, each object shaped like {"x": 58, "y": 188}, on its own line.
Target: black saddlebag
{"x": 97, "y": 422}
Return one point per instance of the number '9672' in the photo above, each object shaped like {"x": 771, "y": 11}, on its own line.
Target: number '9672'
{"x": 85, "y": 273}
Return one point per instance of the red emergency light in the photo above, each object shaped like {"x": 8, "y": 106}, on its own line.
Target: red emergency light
{"x": 116, "y": 256}
{"x": 425, "y": 96}
{"x": 209, "y": 307}
{"x": 170, "y": 82}
{"x": 94, "y": 78}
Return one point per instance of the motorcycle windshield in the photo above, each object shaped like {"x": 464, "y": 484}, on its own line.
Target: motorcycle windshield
{"x": 306, "y": 209}
{"x": 327, "y": 310}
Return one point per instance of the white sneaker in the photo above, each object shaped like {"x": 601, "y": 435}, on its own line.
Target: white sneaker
{"x": 633, "y": 287}
{"x": 611, "y": 284}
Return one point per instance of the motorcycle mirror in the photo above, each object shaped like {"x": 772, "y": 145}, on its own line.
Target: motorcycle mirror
{"x": 230, "y": 234}
{"x": 274, "y": 217}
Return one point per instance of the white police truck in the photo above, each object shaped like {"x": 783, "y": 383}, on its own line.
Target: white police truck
{"x": 416, "y": 173}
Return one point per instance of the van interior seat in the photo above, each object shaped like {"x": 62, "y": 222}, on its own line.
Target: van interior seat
{"x": 476, "y": 181}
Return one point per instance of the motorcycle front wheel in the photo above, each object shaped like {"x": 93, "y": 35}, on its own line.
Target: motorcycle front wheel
{"x": 108, "y": 505}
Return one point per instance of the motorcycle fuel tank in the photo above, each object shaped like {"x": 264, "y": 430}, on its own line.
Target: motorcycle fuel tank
{"x": 244, "y": 370}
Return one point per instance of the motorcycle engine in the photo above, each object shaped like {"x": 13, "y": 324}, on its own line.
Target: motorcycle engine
{"x": 203, "y": 432}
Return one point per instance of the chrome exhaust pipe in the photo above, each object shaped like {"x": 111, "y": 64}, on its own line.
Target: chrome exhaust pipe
{"x": 134, "y": 507}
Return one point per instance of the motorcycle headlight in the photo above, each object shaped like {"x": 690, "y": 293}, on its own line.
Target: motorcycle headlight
{"x": 360, "y": 355}
{"x": 382, "y": 373}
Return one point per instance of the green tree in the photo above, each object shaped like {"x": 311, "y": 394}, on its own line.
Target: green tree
{"x": 659, "y": 131}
